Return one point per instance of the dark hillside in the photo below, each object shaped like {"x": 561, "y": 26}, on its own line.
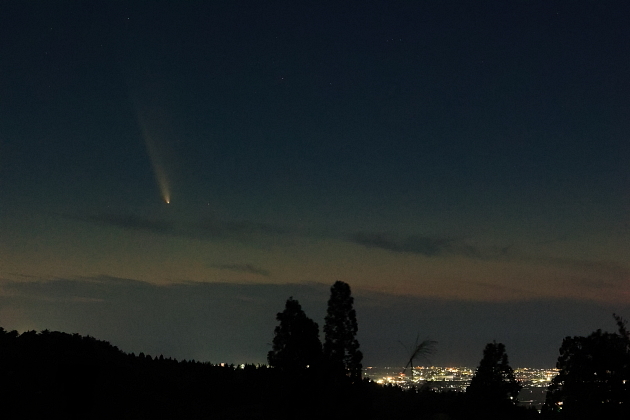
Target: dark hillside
{"x": 55, "y": 374}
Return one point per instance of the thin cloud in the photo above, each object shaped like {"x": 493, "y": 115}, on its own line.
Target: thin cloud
{"x": 215, "y": 228}
{"x": 128, "y": 222}
{"x": 609, "y": 269}
{"x": 418, "y": 244}
{"x": 594, "y": 283}
{"x": 613, "y": 271}
{"x": 243, "y": 268}
{"x": 428, "y": 246}
{"x": 206, "y": 229}
{"x": 415, "y": 244}
{"x": 491, "y": 287}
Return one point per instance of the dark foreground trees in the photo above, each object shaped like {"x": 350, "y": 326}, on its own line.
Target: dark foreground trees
{"x": 494, "y": 388}
{"x": 341, "y": 347}
{"x": 296, "y": 344}
{"x": 594, "y": 376}
{"x": 58, "y": 375}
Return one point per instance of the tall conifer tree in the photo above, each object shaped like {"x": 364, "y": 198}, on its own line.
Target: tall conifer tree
{"x": 296, "y": 344}
{"x": 341, "y": 348}
{"x": 494, "y": 380}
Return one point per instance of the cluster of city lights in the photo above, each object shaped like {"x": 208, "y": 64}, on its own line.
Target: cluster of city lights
{"x": 534, "y": 381}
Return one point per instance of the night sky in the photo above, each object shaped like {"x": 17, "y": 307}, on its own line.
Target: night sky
{"x": 171, "y": 172}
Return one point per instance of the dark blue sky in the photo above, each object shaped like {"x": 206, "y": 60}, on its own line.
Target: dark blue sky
{"x": 465, "y": 157}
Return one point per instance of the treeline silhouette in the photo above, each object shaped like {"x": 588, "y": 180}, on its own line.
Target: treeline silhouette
{"x": 55, "y": 374}
{"x": 46, "y": 374}
{"x": 49, "y": 373}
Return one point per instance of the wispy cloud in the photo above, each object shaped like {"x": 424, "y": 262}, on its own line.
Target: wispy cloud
{"x": 216, "y": 228}
{"x": 243, "y": 268}
{"x": 205, "y": 229}
{"x": 248, "y": 231}
{"x": 415, "y": 244}
{"x": 418, "y": 244}
{"x": 492, "y": 288}
{"x": 608, "y": 268}
{"x": 615, "y": 272}
{"x": 594, "y": 283}
{"x": 127, "y": 221}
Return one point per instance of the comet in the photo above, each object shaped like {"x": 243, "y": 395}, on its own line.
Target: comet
{"x": 151, "y": 108}
{"x": 153, "y": 143}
